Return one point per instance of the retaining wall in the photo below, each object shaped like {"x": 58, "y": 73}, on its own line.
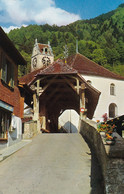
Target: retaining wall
{"x": 107, "y": 165}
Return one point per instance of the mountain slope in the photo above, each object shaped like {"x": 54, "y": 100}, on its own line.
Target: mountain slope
{"x": 100, "y": 39}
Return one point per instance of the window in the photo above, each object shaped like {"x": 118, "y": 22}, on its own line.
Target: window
{"x": 112, "y": 110}
{"x": 45, "y": 50}
{"x": 7, "y": 71}
{"x": 5, "y": 118}
{"x": 112, "y": 89}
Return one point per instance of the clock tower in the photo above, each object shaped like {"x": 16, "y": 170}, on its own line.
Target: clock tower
{"x": 42, "y": 56}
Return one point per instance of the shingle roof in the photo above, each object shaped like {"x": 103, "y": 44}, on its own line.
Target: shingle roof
{"x": 85, "y": 66}
{"x": 57, "y": 67}
{"x": 26, "y": 79}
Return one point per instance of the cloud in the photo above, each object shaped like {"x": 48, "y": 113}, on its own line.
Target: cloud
{"x": 20, "y": 12}
{"x": 7, "y": 30}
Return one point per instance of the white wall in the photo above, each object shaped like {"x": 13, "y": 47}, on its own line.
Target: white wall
{"x": 103, "y": 85}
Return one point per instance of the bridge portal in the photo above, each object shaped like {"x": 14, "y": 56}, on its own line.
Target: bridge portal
{"x": 57, "y": 88}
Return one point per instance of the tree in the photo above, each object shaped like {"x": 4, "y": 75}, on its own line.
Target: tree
{"x": 112, "y": 56}
{"x": 54, "y": 41}
{"x": 99, "y": 57}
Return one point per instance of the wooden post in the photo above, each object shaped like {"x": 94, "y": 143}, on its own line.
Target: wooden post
{"x": 78, "y": 86}
{"x": 83, "y": 94}
{"x": 21, "y": 107}
{"x": 37, "y": 106}
{"x": 36, "y": 102}
{"x": 34, "y": 106}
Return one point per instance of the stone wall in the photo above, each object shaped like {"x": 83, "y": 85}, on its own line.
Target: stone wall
{"x": 29, "y": 129}
{"x": 107, "y": 165}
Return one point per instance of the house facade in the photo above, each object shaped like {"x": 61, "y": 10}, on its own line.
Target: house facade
{"x": 108, "y": 83}
{"x": 11, "y": 102}
{"x": 111, "y": 99}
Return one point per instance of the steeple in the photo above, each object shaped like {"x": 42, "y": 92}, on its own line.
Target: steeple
{"x": 42, "y": 56}
{"x": 35, "y": 41}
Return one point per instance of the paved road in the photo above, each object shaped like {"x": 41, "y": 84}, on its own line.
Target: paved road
{"x": 51, "y": 164}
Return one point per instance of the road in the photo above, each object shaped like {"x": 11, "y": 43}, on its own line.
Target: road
{"x": 50, "y": 164}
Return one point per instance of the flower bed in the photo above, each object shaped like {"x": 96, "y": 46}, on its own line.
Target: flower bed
{"x": 108, "y": 129}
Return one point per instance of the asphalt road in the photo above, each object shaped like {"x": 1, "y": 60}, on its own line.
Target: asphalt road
{"x": 50, "y": 164}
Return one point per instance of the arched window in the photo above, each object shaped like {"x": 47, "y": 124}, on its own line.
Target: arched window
{"x": 45, "y": 50}
{"x": 112, "y": 110}
{"x": 89, "y": 82}
{"x": 112, "y": 89}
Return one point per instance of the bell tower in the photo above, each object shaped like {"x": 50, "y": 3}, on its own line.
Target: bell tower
{"x": 42, "y": 56}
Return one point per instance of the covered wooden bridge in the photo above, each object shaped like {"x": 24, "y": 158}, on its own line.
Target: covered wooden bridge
{"x": 55, "y": 89}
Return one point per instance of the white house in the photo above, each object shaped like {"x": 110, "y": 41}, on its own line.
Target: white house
{"x": 110, "y": 85}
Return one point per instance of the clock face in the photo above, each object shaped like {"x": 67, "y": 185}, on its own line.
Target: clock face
{"x": 46, "y": 61}
{"x": 35, "y": 62}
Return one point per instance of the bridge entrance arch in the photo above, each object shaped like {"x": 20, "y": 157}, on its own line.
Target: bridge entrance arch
{"x": 57, "y": 88}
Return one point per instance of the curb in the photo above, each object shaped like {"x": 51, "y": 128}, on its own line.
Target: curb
{"x": 6, "y": 152}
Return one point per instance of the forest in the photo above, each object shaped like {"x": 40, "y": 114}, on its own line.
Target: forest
{"x": 101, "y": 39}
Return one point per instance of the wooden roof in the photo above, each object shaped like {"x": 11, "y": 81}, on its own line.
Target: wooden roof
{"x": 26, "y": 79}
{"x": 57, "y": 67}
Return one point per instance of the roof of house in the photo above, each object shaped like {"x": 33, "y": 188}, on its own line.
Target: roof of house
{"x": 85, "y": 66}
{"x": 10, "y": 49}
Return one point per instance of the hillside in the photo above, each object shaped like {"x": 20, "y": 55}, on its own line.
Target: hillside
{"x": 100, "y": 39}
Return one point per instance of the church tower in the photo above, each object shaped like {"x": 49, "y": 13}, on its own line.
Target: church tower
{"x": 42, "y": 56}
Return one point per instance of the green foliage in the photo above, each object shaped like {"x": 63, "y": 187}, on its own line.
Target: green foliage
{"x": 99, "y": 56}
{"x": 100, "y": 39}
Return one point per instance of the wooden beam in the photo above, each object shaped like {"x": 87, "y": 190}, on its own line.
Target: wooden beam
{"x": 83, "y": 94}
{"x": 82, "y": 101}
{"x": 51, "y": 94}
{"x": 50, "y": 82}
{"x": 70, "y": 84}
{"x": 34, "y": 100}
{"x": 38, "y": 85}
{"x": 78, "y": 86}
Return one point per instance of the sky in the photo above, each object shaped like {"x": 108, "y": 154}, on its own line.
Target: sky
{"x": 17, "y": 13}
